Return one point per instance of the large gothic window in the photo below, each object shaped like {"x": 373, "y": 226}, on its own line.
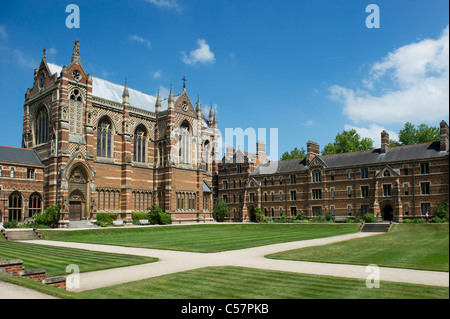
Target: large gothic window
{"x": 139, "y": 144}
{"x": 41, "y": 126}
{"x": 104, "y": 138}
{"x": 15, "y": 206}
{"x": 184, "y": 142}
{"x": 34, "y": 204}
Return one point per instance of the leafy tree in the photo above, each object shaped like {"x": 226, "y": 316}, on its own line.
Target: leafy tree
{"x": 348, "y": 141}
{"x": 295, "y": 153}
{"x": 220, "y": 209}
{"x": 410, "y": 134}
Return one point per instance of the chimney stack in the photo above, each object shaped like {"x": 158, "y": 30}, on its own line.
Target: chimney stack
{"x": 261, "y": 152}
{"x": 384, "y": 141}
{"x": 312, "y": 150}
{"x": 444, "y": 136}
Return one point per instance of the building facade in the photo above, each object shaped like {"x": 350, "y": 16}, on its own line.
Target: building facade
{"x": 21, "y": 184}
{"x": 393, "y": 183}
{"x": 106, "y": 147}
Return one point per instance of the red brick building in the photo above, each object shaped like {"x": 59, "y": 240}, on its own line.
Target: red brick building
{"x": 21, "y": 184}
{"x": 106, "y": 147}
{"x": 393, "y": 183}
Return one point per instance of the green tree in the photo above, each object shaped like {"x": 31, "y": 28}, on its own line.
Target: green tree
{"x": 220, "y": 209}
{"x": 295, "y": 153}
{"x": 348, "y": 141}
{"x": 410, "y": 134}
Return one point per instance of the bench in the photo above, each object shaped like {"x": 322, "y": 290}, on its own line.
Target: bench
{"x": 144, "y": 222}
{"x": 118, "y": 223}
{"x": 339, "y": 219}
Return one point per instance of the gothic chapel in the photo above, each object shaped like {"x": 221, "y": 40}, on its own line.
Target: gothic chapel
{"x": 108, "y": 148}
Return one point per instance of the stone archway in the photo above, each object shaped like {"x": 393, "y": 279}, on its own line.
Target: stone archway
{"x": 79, "y": 193}
{"x": 388, "y": 213}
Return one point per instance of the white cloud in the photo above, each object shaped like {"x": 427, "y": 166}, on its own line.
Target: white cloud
{"x": 373, "y": 132}
{"x": 201, "y": 55}
{"x": 309, "y": 123}
{"x": 139, "y": 39}
{"x": 3, "y": 33}
{"x": 157, "y": 74}
{"x": 409, "y": 84}
{"x": 24, "y": 60}
{"x": 168, "y": 4}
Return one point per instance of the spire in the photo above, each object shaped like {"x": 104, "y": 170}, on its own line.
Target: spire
{"x": 76, "y": 52}
{"x": 171, "y": 101}
{"x": 199, "y": 108}
{"x": 158, "y": 104}
{"x": 126, "y": 94}
{"x": 44, "y": 57}
{"x": 215, "y": 119}
{"x": 211, "y": 116}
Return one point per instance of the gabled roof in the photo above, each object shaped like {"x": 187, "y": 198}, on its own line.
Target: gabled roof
{"x": 19, "y": 155}
{"x": 113, "y": 92}
{"x": 393, "y": 154}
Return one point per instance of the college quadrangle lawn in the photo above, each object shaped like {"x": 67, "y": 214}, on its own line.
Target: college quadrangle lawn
{"x": 407, "y": 246}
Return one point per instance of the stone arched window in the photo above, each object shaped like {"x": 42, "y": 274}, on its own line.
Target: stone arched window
{"x": 34, "y": 204}
{"x": 317, "y": 176}
{"x": 184, "y": 143}
{"x": 41, "y": 126}
{"x": 15, "y": 206}
{"x": 76, "y": 95}
{"x": 140, "y": 138}
{"x": 104, "y": 138}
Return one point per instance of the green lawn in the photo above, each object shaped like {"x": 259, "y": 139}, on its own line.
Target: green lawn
{"x": 203, "y": 238}
{"x": 249, "y": 283}
{"x": 413, "y": 246}
{"x": 55, "y": 259}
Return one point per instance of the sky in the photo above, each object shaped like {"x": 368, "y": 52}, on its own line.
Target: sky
{"x": 308, "y": 68}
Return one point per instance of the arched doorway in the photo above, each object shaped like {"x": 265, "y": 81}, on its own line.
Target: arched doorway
{"x": 76, "y": 205}
{"x": 78, "y": 193}
{"x": 388, "y": 213}
{"x": 252, "y": 214}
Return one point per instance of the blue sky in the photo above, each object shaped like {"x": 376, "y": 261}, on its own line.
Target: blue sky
{"x": 309, "y": 68}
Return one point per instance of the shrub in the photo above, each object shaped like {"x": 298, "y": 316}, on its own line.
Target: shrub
{"x": 106, "y": 219}
{"x": 221, "y": 209}
{"x": 436, "y": 219}
{"x": 51, "y": 215}
{"x": 136, "y": 216}
{"x": 165, "y": 218}
{"x": 158, "y": 217}
{"x": 329, "y": 217}
{"x": 369, "y": 218}
{"x": 442, "y": 211}
{"x": 11, "y": 224}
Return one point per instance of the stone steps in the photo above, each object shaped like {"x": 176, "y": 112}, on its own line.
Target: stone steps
{"x": 376, "y": 227}
{"x": 21, "y": 234}
{"x": 82, "y": 224}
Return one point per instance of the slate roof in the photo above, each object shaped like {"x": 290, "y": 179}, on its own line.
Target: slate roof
{"x": 19, "y": 155}
{"x": 206, "y": 188}
{"x": 113, "y": 92}
{"x": 393, "y": 154}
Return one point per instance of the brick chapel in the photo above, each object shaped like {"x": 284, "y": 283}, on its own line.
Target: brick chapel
{"x": 107, "y": 147}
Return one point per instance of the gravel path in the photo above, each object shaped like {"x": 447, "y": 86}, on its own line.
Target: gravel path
{"x": 175, "y": 261}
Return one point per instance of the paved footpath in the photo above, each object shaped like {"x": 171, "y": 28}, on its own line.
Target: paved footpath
{"x": 175, "y": 261}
